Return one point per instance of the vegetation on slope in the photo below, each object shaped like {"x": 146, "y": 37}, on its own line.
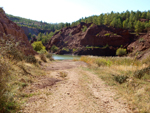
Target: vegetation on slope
{"x": 129, "y": 76}
{"x": 36, "y": 24}
{"x": 17, "y": 72}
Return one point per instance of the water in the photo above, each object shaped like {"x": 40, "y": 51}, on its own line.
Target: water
{"x": 65, "y": 57}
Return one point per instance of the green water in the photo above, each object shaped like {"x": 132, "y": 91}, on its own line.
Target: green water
{"x": 65, "y": 57}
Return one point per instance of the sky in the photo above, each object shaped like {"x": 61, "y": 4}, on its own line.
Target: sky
{"x": 56, "y": 11}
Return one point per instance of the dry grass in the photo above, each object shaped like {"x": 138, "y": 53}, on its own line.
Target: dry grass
{"x": 16, "y": 73}
{"x": 63, "y": 74}
{"x": 135, "y": 91}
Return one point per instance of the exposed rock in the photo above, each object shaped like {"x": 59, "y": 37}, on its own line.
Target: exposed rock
{"x": 96, "y": 40}
{"x": 140, "y": 47}
{"x": 8, "y": 27}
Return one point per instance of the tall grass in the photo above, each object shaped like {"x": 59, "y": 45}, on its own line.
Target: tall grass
{"x": 130, "y": 77}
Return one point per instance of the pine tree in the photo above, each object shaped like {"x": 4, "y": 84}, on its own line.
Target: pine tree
{"x": 138, "y": 27}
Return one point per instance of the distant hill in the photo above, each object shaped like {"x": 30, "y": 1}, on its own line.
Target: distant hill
{"x": 36, "y": 24}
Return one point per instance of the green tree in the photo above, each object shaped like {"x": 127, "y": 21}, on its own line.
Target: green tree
{"x": 125, "y": 23}
{"x": 138, "y": 27}
{"x": 38, "y": 46}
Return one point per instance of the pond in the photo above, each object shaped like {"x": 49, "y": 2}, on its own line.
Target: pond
{"x": 65, "y": 57}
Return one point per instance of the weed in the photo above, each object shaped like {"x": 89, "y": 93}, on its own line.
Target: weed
{"x": 49, "y": 56}
{"x": 63, "y": 74}
{"x": 140, "y": 73}
{"x": 31, "y": 59}
{"x": 120, "y": 79}
{"x": 102, "y": 62}
{"x": 43, "y": 57}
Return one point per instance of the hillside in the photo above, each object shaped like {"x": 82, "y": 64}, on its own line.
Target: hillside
{"x": 9, "y": 29}
{"x": 90, "y": 39}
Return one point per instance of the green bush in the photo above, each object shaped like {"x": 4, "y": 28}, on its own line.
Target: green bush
{"x": 54, "y": 48}
{"x": 121, "y": 52}
{"x": 84, "y": 28}
{"x": 107, "y": 34}
{"x": 38, "y": 46}
{"x": 65, "y": 49}
{"x": 121, "y": 78}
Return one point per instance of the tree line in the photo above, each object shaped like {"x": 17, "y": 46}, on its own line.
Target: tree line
{"x": 133, "y": 20}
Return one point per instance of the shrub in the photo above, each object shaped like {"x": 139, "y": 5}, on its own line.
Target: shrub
{"x": 65, "y": 49}
{"x": 74, "y": 50}
{"x": 84, "y": 28}
{"x": 30, "y": 59}
{"x": 49, "y": 56}
{"x": 54, "y": 48}
{"x": 121, "y": 52}
{"x": 107, "y": 34}
{"x": 63, "y": 74}
{"x": 140, "y": 73}
{"x": 43, "y": 58}
{"x": 141, "y": 40}
{"x": 120, "y": 79}
{"x": 38, "y": 46}
{"x": 42, "y": 51}
{"x": 7, "y": 102}
{"x": 102, "y": 62}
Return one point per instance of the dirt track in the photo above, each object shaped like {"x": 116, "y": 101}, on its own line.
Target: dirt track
{"x": 79, "y": 92}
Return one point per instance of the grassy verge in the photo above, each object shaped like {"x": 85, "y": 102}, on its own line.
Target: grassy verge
{"x": 130, "y": 77}
{"x": 17, "y": 73}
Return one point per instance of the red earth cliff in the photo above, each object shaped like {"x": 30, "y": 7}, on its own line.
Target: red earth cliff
{"x": 8, "y": 27}
{"x": 96, "y": 40}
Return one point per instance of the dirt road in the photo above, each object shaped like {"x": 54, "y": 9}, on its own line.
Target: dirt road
{"x": 69, "y": 88}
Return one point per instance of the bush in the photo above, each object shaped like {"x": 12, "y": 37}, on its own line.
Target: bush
{"x": 54, "y": 48}
{"x": 107, "y": 34}
{"x": 49, "y": 56}
{"x": 121, "y": 78}
{"x": 140, "y": 73}
{"x": 7, "y": 102}
{"x": 43, "y": 58}
{"x": 121, "y": 52}
{"x": 31, "y": 59}
{"x": 38, "y": 46}
{"x": 102, "y": 62}
{"x": 84, "y": 29}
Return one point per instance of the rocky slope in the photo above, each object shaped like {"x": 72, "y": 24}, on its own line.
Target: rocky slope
{"x": 140, "y": 48}
{"x": 96, "y": 40}
{"x": 7, "y": 27}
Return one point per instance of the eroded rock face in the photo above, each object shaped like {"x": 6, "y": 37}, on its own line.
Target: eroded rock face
{"x": 140, "y": 47}
{"x": 8, "y": 27}
{"x": 79, "y": 42}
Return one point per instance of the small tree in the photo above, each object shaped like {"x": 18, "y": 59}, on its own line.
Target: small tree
{"x": 38, "y": 46}
{"x": 138, "y": 27}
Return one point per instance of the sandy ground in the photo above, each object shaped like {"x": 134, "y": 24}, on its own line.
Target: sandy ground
{"x": 79, "y": 91}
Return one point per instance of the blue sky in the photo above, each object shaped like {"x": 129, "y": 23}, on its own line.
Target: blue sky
{"x": 56, "y": 11}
